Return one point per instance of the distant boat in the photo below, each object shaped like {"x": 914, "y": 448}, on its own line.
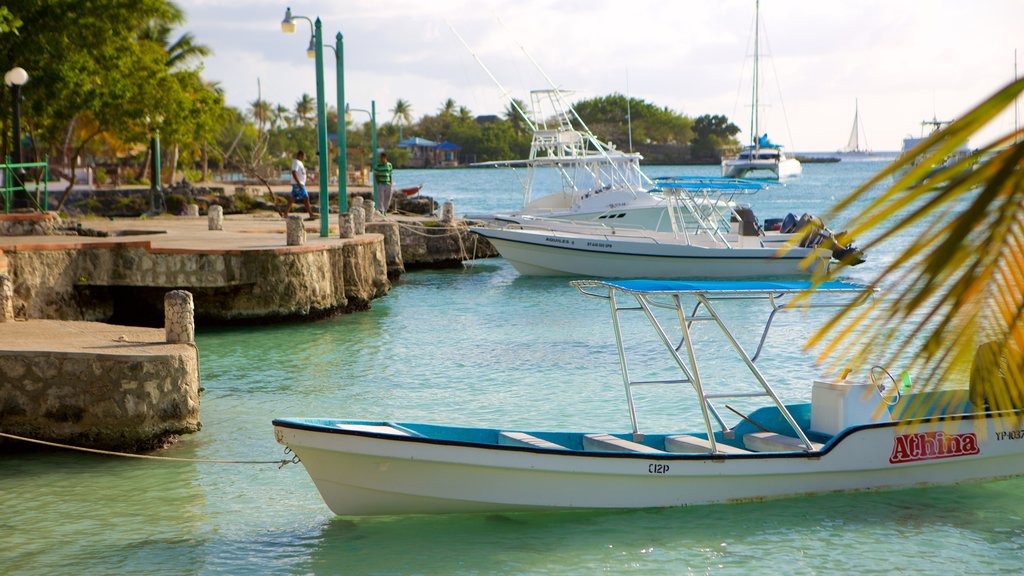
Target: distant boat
{"x": 910, "y": 142}
{"x": 853, "y": 145}
{"x": 761, "y": 155}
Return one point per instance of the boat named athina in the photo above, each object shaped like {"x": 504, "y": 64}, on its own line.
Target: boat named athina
{"x": 861, "y": 431}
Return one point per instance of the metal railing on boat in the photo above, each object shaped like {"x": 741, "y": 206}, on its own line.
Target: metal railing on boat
{"x": 660, "y": 295}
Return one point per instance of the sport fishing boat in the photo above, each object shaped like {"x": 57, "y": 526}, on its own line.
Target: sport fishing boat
{"x": 572, "y": 175}
{"x": 762, "y": 157}
{"x": 860, "y": 434}
{"x": 705, "y": 241}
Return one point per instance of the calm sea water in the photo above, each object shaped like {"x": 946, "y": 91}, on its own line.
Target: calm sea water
{"x": 478, "y": 346}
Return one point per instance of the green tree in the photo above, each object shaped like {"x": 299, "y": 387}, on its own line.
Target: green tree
{"x": 957, "y": 288}
{"x": 712, "y": 133}
{"x": 514, "y": 111}
{"x": 8, "y": 21}
{"x": 447, "y": 107}
{"x": 610, "y": 118}
{"x": 401, "y": 115}
{"x": 305, "y": 109}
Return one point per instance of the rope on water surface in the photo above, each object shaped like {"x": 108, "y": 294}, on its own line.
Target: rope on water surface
{"x": 280, "y": 463}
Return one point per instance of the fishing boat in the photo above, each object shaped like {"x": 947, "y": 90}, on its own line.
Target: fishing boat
{"x": 705, "y": 241}
{"x": 860, "y": 431}
{"x": 761, "y": 157}
{"x": 928, "y": 128}
{"x": 411, "y": 191}
{"x": 571, "y": 174}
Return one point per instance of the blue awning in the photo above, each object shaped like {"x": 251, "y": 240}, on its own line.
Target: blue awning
{"x": 723, "y": 286}
{"x": 712, "y": 183}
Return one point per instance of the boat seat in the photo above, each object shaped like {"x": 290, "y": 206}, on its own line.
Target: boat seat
{"x": 375, "y": 429}
{"x": 609, "y": 443}
{"x": 524, "y": 439}
{"x": 686, "y": 444}
{"x": 772, "y": 442}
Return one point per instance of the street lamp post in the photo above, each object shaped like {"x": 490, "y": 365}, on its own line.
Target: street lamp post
{"x": 372, "y": 113}
{"x": 339, "y": 57}
{"x": 373, "y": 128}
{"x": 15, "y": 78}
{"x": 288, "y": 27}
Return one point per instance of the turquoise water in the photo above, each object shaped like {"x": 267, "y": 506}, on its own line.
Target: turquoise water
{"x": 478, "y": 346}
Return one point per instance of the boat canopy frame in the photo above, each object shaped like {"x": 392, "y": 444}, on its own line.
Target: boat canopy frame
{"x": 648, "y": 295}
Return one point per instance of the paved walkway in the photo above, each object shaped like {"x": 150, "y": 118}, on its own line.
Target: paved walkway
{"x": 88, "y": 338}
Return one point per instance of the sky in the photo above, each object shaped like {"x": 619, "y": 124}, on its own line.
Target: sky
{"x": 899, "y": 61}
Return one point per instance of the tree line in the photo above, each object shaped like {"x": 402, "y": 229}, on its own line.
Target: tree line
{"x": 106, "y": 76}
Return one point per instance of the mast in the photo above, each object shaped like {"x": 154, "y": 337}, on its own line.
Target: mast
{"x": 755, "y": 125}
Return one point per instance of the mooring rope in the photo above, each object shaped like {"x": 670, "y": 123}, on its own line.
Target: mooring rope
{"x": 280, "y": 463}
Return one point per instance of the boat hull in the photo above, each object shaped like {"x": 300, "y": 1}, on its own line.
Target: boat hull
{"x": 773, "y": 169}
{"x": 377, "y": 474}
{"x": 549, "y": 253}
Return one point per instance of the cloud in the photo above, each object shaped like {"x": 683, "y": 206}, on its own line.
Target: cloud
{"x": 904, "y": 61}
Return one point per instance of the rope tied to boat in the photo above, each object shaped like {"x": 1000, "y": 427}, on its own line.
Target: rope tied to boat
{"x": 280, "y": 463}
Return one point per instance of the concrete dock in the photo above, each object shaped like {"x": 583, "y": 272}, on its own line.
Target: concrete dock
{"x": 242, "y": 273}
{"x": 95, "y": 385}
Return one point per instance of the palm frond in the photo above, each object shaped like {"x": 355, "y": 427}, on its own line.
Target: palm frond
{"x": 955, "y": 295}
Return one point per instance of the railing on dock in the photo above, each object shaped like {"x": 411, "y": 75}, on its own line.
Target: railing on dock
{"x": 14, "y": 176}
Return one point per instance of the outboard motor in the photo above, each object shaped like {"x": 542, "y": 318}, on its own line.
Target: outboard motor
{"x": 788, "y": 225}
{"x": 840, "y": 245}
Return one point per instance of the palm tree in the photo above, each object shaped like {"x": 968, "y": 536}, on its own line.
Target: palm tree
{"x": 260, "y": 111}
{"x": 514, "y": 111}
{"x": 402, "y": 115}
{"x": 957, "y": 291}
{"x": 305, "y": 108}
{"x": 280, "y": 113}
{"x": 448, "y": 108}
{"x": 182, "y": 51}
{"x": 465, "y": 114}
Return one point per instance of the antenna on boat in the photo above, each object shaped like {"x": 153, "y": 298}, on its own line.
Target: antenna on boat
{"x": 755, "y": 120}
{"x": 505, "y": 93}
{"x": 566, "y": 106}
{"x": 629, "y": 115}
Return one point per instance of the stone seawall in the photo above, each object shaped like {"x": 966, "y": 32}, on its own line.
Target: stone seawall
{"x": 435, "y": 245}
{"x": 96, "y": 385}
{"x": 94, "y": 281}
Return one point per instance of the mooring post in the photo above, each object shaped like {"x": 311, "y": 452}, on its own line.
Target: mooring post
{"x": 448, "y": 212}
{"x": 345, "y": 227}
{"x": 216, "y": 217}
{"x": 179, "y": 317}
{"x": 296, "y": 231}
{"x": 193, "y": 210}
{"x": 355, "y": 209}
{"x": 6, "y": 298}
{"x": 369, "y": 213}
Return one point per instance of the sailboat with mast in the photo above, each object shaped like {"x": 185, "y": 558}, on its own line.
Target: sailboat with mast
{"x": 761, "y": 155}
{"x": 856, "y": 146}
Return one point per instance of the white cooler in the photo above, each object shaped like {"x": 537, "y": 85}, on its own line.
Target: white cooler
{"x": 836, "y": 406}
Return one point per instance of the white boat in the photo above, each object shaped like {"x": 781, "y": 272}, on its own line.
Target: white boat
{"x": 852, "y": 435}
{"x": 931, "y": 127}
{"x": 570, "y": 174}
{"x": 707, "y": 243}
{"x": 762, "y": 158}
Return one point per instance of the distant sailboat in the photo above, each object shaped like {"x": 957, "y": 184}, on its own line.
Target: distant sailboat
{"x": 853, "y": 146}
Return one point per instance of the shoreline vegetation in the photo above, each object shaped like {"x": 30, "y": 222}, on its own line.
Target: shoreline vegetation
{"x": 160, "y": 94}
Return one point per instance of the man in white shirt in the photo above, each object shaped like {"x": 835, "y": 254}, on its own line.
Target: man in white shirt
{"x": 299, "y": 185}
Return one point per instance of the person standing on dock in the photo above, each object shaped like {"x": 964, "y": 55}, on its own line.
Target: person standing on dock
{"x": 382, "y": 174}
{"x": 299, "y": 185}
